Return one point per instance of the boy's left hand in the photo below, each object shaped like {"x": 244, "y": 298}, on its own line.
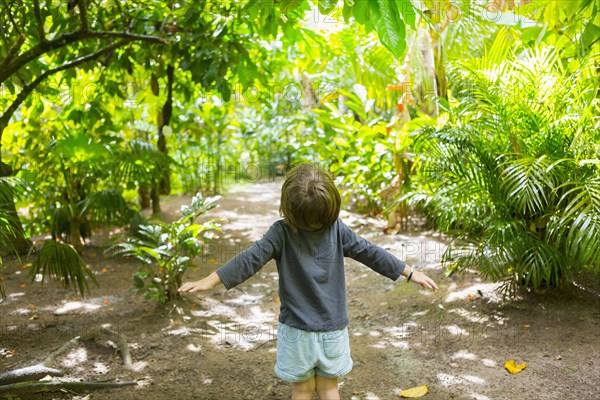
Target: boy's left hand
{"x": 423, "y": 280}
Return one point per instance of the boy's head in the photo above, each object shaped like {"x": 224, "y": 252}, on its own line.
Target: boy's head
{"x": 309, "y": 198}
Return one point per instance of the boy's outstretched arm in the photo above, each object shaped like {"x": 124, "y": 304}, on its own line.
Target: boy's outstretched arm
{"x": 242, "y": 266}
{"x": 419, "y": 278}
{"x": 207, "y": 283}
{"x": 380, "y": 260}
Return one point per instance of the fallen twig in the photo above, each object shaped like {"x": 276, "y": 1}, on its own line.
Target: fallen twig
{"x": 20, "y": 388}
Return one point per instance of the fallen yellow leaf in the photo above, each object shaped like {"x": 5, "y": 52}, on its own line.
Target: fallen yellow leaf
{"x": 514, "y": 368}
{"x": 23, "y": 285}
{"x": 104, "y": 269}
{"x": 417, "y": 391}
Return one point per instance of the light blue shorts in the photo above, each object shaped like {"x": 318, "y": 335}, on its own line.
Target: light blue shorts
{"x": 302, "y": 354}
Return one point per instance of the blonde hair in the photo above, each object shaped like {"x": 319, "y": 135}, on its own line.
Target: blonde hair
{"x": 309, "y": 198}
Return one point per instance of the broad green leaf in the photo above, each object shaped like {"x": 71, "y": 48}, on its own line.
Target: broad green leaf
{"x": 389, "y": 26}
{"x": 407, "y": 11}
{"x": 360, "y": 11}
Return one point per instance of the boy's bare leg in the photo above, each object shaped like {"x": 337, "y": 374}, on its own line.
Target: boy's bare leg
{"x": 327, "y": 388}
{"x": 303, "y": 390}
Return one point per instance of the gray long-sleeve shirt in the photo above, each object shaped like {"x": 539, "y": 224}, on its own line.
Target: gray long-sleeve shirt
{"x": 312, "y": 285}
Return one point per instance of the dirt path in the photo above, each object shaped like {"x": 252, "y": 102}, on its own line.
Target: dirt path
{"x": 456, "y": 340}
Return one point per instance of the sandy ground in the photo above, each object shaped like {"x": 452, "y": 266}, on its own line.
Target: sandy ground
{"x": 455, "y": 341}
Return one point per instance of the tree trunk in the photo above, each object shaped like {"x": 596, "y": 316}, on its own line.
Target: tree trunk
{"x": 428, "y": 90}
{"x": 75, "y": 235}
{"x": 164, "y": 120}
{"x": 17, "y": 243}
{"x": 441, "y": 82}
{"x": 155, "y": 196}
{"x": 144, "y": 196}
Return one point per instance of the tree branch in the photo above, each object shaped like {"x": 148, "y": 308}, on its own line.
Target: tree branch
{"x": 38, "y": 371}
{"x": 14, "y": 49}
{"x": 39, "y": 20}
{"x": 83, "y": 15}
{"x": 18, "y": 389}
{"x": 10, "y": 16}
{"x": 30, "y": 87}
{"x": 10, "y": 67}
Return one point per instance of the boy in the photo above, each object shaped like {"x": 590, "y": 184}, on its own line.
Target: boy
{"x": 309, "y": 247}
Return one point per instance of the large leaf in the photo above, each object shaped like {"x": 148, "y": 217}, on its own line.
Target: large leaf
{"x": 386, "y": 20}
{"x": 408, "y": 12}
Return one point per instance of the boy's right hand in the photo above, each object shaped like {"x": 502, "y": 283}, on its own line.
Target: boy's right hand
{"x": 203, "y": 284}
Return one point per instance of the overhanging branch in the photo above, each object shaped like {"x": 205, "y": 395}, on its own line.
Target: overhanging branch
{"x": 27, "y": 89}
{"x": 39, "y": 20}
{"x": 8, "y": 67}
{"x": 83, "y": 15}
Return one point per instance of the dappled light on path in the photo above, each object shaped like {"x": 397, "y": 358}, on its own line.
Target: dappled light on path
{"x": 489, "y": 291}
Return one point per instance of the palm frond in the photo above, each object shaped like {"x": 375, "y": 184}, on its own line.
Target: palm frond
{"x": 513, "y": 174}
{"x": 528, "y": 181}
{"x": 576, "y": 226}
{"x": 108, "y": 206}
{"x": 61, "y": 262}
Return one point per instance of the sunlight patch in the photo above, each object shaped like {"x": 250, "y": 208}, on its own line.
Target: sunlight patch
{"x": 145, "y": 381}
{"x": 71, "y": 306}
{"x": 88, "y": 306}
{"x": 401, "y": 345}
{"x": 474, "y": 379}
{"x": 12, "y": 296}
{"x": 489, "y": 363}
{"x": 477, "y": 396}
{"x": 488, "y": 290}
{"x": 185, "y": 331}
{"x": 464, "y": 354}
{"x": 244, "y": 299}
{"x": 100, "y": 368}
{"x": 75, "y": 357}
{"x": 21, "y": 311}
{"x": 193, "y": 348}
{"x": 472, "y": 316}
{"x": 419, "y": 313}
{"x": 447, "y": 380}
{"x": 214, "y": 307}
{"x": 456, "y": 330}
{"x": 371, "y": 396}
{"x": 139, "y": 366}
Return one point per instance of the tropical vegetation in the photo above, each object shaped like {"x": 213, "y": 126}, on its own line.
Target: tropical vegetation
{"x": 483, "y": 118}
